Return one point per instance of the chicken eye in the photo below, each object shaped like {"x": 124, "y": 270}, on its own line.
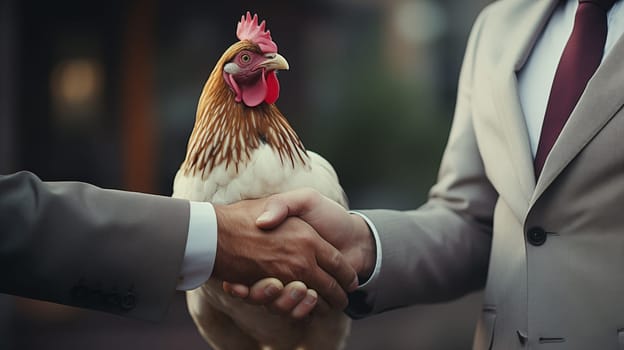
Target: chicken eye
{"x": 245, "y": 58}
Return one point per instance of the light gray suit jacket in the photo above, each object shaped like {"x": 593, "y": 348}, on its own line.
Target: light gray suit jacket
{"x": 487, "y": 214}
{"x": 76, "y": 244}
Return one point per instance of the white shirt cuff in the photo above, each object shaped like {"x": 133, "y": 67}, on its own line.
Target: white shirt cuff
{"x": 201, "y": 246}
{"x": 373, "y": 229}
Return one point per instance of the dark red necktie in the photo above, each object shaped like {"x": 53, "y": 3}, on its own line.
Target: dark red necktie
{"x": 580, "y": 59}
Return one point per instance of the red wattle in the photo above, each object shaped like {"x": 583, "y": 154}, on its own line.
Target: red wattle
{"x": 253, "y": 93}
{"x": 273, "y": 88}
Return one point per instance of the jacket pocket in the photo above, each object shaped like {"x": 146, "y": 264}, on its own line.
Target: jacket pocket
{"x": 484, "y": 334}
{"x": 620, "y": 334}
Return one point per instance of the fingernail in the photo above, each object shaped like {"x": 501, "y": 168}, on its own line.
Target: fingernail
{"x": 295, "y": 294}
{"x": 270, "y": 290}
{"x": 309, "y": 300}
{"x": 264, "y": 217}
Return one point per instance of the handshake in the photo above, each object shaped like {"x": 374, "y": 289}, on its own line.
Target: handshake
{"x": 299, "y": 238}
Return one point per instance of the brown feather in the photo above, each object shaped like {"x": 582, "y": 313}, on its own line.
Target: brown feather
{"x": 227, "y": 131}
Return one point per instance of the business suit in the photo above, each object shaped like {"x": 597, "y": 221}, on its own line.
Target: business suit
{"x": 548, "y": 251}
{"x": 80, "y": 245}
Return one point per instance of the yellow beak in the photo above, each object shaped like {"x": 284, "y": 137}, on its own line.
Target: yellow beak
{"x": 274, "y": 61}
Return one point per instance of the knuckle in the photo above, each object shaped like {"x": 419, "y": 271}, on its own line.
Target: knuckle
{"x": 296, "y": 272}
{"x": 298, "y": 269}
{"x": 311, "y": 195}
{"x": 308, "y": 239}
{"x": 336, "y": 260}
{"x": 283, "y": 271}
{"x": 332, "y": 284}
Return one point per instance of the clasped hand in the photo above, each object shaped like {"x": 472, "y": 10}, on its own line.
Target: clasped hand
{"x": 299, "y": 238}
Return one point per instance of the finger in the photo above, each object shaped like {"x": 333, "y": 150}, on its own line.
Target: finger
{"x": 301, "y": 202}
{"x": 265, "y": 291}
{"x": 329, "y": 289}
{"x": 306, "y": 306}
{"x": 324, "y": 215}
{"x": 236, "y": 290}
{"x": 275, "y": 212}
{"x": 293, "y": 294}
{"x": 335, "y": 264}
{"x": 322, "y": 307}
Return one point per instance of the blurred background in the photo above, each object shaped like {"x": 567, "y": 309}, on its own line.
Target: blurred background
{"x": 105, "y": 92}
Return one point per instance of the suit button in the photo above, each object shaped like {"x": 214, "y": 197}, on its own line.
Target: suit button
{"x": 128, "y": 301}
{"x": 536, "y": 236}
{"x": 522, "y": 337}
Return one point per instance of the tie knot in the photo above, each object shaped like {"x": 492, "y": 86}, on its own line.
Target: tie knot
{"x": 603, "y": 4}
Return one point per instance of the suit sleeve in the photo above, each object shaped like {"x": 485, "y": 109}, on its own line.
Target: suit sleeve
{"x": 79, "y": 245}
{"x": 441, "y": 250}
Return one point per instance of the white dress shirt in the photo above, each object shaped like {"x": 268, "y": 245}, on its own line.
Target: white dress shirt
{"x": 537, "y": 75}
{"x": 201, "y": 246}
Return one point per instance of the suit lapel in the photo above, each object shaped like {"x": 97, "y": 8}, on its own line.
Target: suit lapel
{"x": 506, "y": 95}
{"x": 603, "y": 97}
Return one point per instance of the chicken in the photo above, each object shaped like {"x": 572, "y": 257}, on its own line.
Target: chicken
{"x": 242, "y": 147}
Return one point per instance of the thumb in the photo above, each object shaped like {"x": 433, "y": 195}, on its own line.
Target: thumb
{"x": 275, "y": 212}
{"x": 301, "y": 202}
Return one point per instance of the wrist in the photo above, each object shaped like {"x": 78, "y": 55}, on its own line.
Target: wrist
{"x": 365, "y": 250}
{"x": 223, "y": 236}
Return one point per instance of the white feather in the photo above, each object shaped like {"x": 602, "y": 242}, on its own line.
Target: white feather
{"x": 263, "y": 175}
{"x": 228, "y": 323}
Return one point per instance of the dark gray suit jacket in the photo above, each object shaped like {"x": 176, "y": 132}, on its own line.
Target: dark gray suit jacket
{"x": 76, "y": 244}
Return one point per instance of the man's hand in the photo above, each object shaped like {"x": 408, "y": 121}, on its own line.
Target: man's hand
{"x": 289, "y": 252}
{"x": 294, "y": 300}
{"x": 348, "y": 233}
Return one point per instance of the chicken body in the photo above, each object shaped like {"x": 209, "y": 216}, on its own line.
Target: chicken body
{"x": 262, "y": 175}
{"x": 229, "y": 323}
{"x": 242, "y": 147}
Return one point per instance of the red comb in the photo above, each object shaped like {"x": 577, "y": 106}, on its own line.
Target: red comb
{"x": 248, "y": 29}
